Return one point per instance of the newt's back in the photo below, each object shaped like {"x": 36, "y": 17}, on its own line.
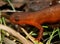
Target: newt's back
{"x": 49, "y": 15}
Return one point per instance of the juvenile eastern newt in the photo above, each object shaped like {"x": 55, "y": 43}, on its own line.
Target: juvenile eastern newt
{"x": 48, "y": 15}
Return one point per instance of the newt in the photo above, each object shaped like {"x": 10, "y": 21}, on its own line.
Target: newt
{"x": 36, "y": 19}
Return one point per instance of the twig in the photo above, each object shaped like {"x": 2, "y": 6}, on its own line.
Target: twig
{"x": 16, "y": 34}
{"x": 8, "y": 41}
{"x": 29, "y": 36}
{"x": 10, "y": 11}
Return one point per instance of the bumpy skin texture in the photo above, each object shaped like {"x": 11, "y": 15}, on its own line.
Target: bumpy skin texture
{"x": 48, "y": 15}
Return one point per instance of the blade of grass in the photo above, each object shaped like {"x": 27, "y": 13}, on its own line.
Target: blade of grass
{"x": 11, "y": 5}
{"x": 59, "y": 32}
{"x": 51, "y": 36}
{"x": 45, "y": 26}
{"x": 0, "y": 18}
{"x": 3, "y": 19}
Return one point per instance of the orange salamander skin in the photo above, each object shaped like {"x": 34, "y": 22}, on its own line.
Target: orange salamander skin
{"x": 48, "y": 15}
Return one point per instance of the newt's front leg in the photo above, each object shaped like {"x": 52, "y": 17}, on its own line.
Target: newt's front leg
{"x": 38, "y": 26}
{"x": 40, "y": 33}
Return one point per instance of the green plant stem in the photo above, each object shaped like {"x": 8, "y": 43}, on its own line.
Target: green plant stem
{"x": 11, "y": 5}
{"x": 0, "y": 18}
{"x": 0, "y": 30}
{"x": 29, "y": 34}
{"x": 45, "y": 26}
{"x": 59, "y": 32}
{"x": 3, "y": 19}
{"x": 51, "y": 36}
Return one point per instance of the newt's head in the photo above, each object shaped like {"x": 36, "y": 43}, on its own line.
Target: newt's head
{"x": 12, "y": 18}
{"x": 20, "y": 17}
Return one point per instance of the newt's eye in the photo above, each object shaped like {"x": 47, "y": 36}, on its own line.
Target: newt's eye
{"x": 16, "y": 19}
